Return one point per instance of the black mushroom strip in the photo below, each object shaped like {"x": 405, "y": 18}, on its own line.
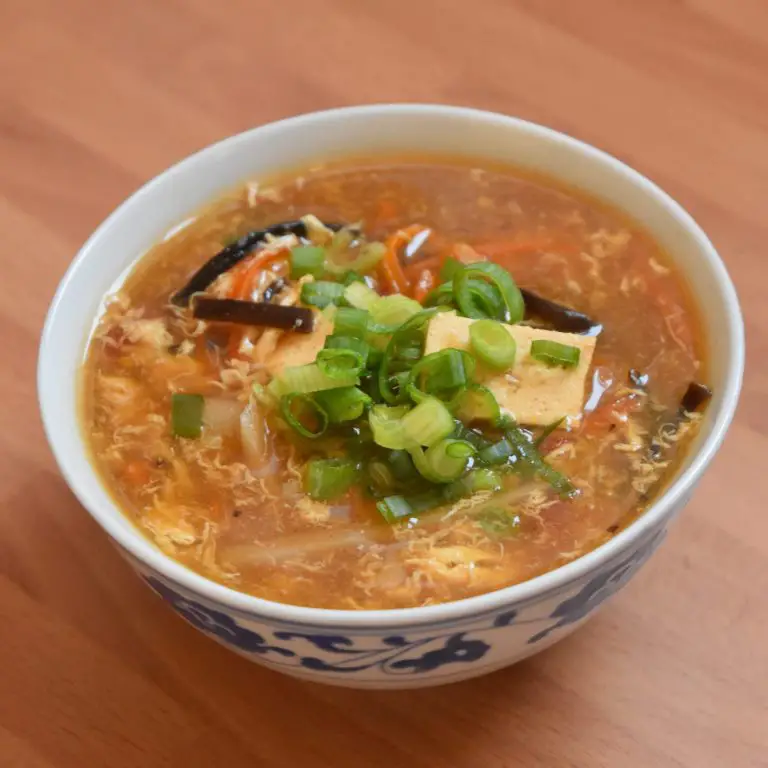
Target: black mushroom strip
{"x": 695, "y": 397}
{"x": 228, "y": 257}
{"x": 560, "y": 317}
{"x": 262, "y": 314}
{"x": 694, "y": 400}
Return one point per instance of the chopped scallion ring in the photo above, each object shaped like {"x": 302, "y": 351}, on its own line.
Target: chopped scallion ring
{"x": 554, "y": 353}
{"x": 493, "y": 344}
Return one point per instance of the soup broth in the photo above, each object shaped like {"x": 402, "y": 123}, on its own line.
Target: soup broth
{"x": 196, "y": 428}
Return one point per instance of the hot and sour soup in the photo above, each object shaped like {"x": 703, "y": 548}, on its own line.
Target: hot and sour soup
{"x": 393, "y": 383}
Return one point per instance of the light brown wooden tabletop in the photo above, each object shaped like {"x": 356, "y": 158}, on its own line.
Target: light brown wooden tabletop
{"x": 96, "y": 97}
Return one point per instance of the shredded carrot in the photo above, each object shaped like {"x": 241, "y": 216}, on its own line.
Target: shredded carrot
{"x": 424, "y": 285}
{"x": 391, "y": 270}
{"x": 413, "y": 271}
{"x": 247, "y": 275}
{"x": 242, "y": 287}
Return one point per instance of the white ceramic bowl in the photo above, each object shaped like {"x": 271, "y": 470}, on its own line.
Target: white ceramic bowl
{"x": 418, "y": 646}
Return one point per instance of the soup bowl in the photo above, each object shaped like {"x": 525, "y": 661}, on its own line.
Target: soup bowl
{"x": 406, "y": 647}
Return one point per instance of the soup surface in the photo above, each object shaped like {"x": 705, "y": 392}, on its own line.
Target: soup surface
{"x": 231, "y": 463}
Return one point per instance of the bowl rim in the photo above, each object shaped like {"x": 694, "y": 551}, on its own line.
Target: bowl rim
{"x": 132, "y": 541}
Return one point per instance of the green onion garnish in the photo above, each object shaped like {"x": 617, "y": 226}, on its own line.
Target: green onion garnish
{"x": 321, "y": 293}
{"x": 394, "y": 310}
{"x": 512, "y": 307}
{"x": 343, "y": 404}
{"x": 303, "y": 414}
{"x": 444, "y": 462}
{"x": 476, "y": 403}
{"x": 529, "y": 460}
{"x": 327, "y": 479}
{"x": 352, "y": 343}
{"x": 493, "y": 344}
{"x": 443, "y": 373}
{"x": 187, "y": 415}
{"x": 498, "y": 522}
{"x": 450, "y": 267}
{"x": 308, "y": 378}
{"x": 307, "y": 260}
{"x": 394, "y": 508}
{"x": 497, "y": 453}
{"x": 367, "y": 258}
{"x": 387, "y": 426}
{"x": 350, "y": 321}
{"x": 404, "y": 335}
{"x": 381, "y": 478}
{"x": 554, "y": 353}
{"x": 360, "y": 296}
{"x": 427, "y": 423}
{"x": 340, "y": 363}
{"x": 547, "y": 431}
{"x": 480, "y": 479}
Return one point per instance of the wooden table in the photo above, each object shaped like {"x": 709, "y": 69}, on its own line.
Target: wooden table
{"x": 98, "y": 96}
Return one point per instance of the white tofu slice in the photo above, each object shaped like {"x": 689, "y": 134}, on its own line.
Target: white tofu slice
{"x": 532, "y": 392}
{"x": 300, "y": 348}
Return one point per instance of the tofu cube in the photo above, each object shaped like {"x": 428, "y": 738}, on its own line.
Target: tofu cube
{"x": 532, "y": 392}
{"x": 296, "y": 349}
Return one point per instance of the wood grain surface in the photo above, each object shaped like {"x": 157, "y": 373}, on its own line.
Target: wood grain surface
{"x": 96, "y": 96}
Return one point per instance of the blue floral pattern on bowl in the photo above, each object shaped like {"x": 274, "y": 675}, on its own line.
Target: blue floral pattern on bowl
{"x": 443, "y": 649}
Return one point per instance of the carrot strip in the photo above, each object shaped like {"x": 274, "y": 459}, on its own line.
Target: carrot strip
{"x": 424, "y": 285}
{"x": 413, "y": 271}
{"x": 242, "y": 288}
{"x": 391, "y": 270}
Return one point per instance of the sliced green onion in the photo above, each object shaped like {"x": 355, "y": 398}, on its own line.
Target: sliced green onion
{"x": 427, "y": 423}
{"x": 381, "y": 478}
{"x": 498, "y": 522}
{"x": 303, "y": 414}
{"x": 321, "y": 293}
{"x": 444, "y": 462}
{"x": 476, "y": 403}
{"x": 530, "y": 460}
{"x": 327, "y": 479}
{"x": 360, "y": 296}
{"x": 367, "y": 258}
{"x": 480, "y": 479}
{"x": 512, "y": 308}
{"x": 460, "y": 432}
{"x": 307, "y": 260}
{"x": 187, "y": 414}
{"x": 395, "y": 508}
{"x": 352, "y": 277}
{"x": 450, "y": 267}
{"x": 308, "y": 378}
{"x": 443, "y": 373}
{"x": 555, "y": 353}
{"x": 440, "y": 296}
{"x": 547, "y": 431}
{"x": 493, "y": 344}
{"x": 394, "y": 310}
{"x": 497, "y": 453}
{"x": 402, "y": 466}
{"x": 350, "y": 321}
{"x": 387, "y": 426}
{"x": 340, "y": 363}
{"x": 351, "y": 343}
{"x": 343, "y": 404}
{"x": 403, "y": 334}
